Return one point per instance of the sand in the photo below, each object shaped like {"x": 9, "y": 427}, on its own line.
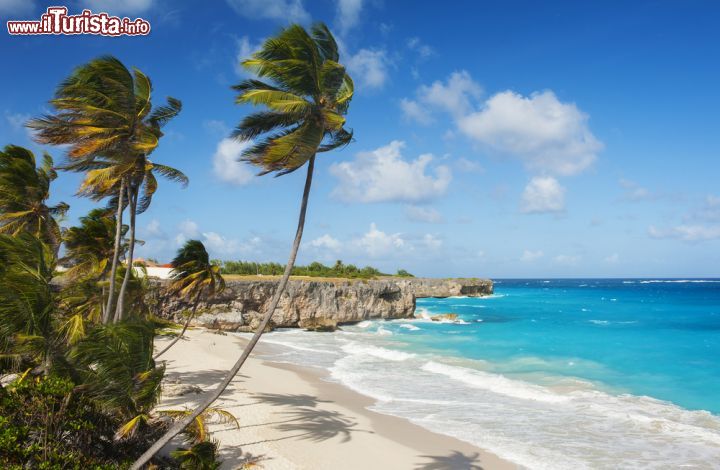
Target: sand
{"x": 290, "y": 418}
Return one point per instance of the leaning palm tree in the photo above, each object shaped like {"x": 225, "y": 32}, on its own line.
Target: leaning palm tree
{"x": 105, "y": 113}
{"x": 193, "y": 276}
{"x": 307, "y": 96}
{"x": 24, "y": 191}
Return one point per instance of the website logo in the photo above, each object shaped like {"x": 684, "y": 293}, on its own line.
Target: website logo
{"x": 57, "y": 21}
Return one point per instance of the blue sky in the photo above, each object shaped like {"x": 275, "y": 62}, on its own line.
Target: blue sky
{"x": 503, "y": 139}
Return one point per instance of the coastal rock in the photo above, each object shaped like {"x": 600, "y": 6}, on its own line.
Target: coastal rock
{"x": 445, "y": 317}
{"x": 315, "y": 304}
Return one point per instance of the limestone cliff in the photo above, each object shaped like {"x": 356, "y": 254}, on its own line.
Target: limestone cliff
{"x": 316, "y": 304}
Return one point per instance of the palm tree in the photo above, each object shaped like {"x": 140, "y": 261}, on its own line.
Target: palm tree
{"x": 28, "y": 330}
{"x": 105, "y": 114}
{"x": 24, "y": 191}
{"x": 308, "y": 95}
{"x": 193, "y": 276}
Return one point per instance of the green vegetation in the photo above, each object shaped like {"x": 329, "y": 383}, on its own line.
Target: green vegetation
{"x": 80, "y": 380}
{"x": 194, "y": 276}
{"x": 315, "y": 269}
{"x": 306, "y": 93}
{"x": 76, "y": 350}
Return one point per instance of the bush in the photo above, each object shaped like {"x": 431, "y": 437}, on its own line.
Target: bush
{"x": 44, "y": 424}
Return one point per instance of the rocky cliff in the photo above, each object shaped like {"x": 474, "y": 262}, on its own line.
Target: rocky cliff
{"x": 315, "y": 304}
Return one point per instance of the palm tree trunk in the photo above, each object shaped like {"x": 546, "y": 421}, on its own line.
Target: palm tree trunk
{"x": 116, "y": 252}
{"x": 182, "y": 424}
{"x": 185, "y": 326}
{"x": 132, "y": 193}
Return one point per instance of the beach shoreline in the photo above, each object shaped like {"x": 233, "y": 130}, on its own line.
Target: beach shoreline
{"x": 292, "y": 418}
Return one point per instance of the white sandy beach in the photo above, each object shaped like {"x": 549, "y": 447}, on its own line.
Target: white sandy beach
{"x": 290, "y": 418}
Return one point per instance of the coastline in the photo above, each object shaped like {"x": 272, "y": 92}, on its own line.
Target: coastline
{"x": 290, "y": 418}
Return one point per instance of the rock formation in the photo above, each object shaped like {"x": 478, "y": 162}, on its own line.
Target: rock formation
{"x": 314, "y": 304}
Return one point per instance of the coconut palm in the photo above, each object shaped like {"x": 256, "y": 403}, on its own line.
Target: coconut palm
{"x": 28, "y": 330}
{"x": 104, "y": 113}
{"x": 193, "y": 276}
{"x": 24, "y": 191}
{"x": 307, "y": 95}
{"x": 143, "y": 181}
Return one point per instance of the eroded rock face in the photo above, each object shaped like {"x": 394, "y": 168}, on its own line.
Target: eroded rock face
{"x": 316, "y": 305}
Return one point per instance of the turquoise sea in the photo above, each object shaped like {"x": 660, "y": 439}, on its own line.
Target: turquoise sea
{"x": 551, "y": 374}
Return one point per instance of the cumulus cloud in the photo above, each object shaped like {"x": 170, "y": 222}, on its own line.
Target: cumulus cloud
{"x": 369, "y": 67}
{"x": 377, "y": 243}
{"x": 187, "y": 230}
{"x": 424, "y": 214}
{"x": 414, "y": 111}
{"x": 548, "y": 135}
{"x": 543, "y": 194}
{"x": 529, "y": 256}
{"x": 226, "y": 166}
{"x": 283, "y": 10}
{"x": 687, "y": 233}
{"x": 383, "y": 175}
{"x": 326, "y": 242}
{"x": 348, "y": 14}
{"x": 456, "y": 96}
{"x": 126, "y": 7}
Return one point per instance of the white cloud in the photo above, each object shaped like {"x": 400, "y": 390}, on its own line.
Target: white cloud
{"x": 377, "y": 243}
{"x": 414, "y": 111}
{"x": 529, "y": 256}
{"x": 383, "y": 175}
{"x": 154, "y": 229}
{"x": 454, "y": 96}
{"x": 283, "y": 10}
{"x": 17, "y": 123}
{"x": 245, "y": 48}
{"x": 543, "y": 194}
{"x": 567, "y": 260}
{"x": 424, "y": 214}
{"x": 348, "y": 14}
{"x": 548, "y": 135}
{"x": 688, "y": 233}
{"x": 326, "y": 242}
{"x": 368, "y": 67}
{"x": 126, "y": 7}
{"x": 226, "y": 165}
{"x": 432, "y": 242}
{"x": 187, "y": 229}
{"x": 422, "y": 49}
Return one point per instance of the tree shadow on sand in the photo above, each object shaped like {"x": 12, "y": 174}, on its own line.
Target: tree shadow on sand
{"x": 314, "y": 425}
{"x": 455, "y": 461}
{"x": 278, "y": 399}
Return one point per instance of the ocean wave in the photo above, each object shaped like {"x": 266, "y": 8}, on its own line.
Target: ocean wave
{"x": 494, "y": 383}
{"x": 680, "y": 281}
{"x": 376, "y": 351}
{"x": 565, "y": 425}
{"x": 409, "y": 327}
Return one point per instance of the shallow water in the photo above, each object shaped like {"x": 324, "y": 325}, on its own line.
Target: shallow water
{"x": 547, "y": 373}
